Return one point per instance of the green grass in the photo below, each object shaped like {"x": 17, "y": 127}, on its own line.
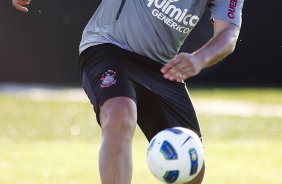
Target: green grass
{"x": 57, "y": 141}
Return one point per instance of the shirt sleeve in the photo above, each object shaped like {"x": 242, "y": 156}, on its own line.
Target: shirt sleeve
{"x": 227, "y": 10}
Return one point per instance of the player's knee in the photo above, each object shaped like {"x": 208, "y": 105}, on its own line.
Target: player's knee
{"x": 118, "y": 117}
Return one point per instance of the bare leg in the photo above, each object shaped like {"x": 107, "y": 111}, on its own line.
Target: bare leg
{"x": 118, "y": 121}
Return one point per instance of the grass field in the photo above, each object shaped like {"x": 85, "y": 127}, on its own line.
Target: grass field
{"x": 52, "y": 137}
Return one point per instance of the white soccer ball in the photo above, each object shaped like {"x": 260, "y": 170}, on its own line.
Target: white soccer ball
{"x": 175, "y": 155}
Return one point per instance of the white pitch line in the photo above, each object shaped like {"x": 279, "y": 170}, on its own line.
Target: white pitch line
{"x": 44, "y": 92}
{"x": 207, "y": 106}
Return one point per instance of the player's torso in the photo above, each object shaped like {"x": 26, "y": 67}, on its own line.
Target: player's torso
{"x": 154, "y": 28}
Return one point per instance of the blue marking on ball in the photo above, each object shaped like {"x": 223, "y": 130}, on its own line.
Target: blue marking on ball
{"x": 168, "y": 151}
{"x": 194, "y": 161}
{"x": 171, "y": 176}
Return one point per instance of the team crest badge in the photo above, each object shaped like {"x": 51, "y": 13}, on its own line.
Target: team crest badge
{"x": 108, "y": 79}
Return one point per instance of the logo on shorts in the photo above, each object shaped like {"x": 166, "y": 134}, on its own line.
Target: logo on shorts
{"x": 108, "y": 79}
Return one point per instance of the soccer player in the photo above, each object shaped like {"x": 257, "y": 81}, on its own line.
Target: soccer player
{"x": 132, "y": 71}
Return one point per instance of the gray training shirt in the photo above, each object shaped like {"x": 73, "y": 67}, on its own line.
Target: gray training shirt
{"x": 153, "y": 28}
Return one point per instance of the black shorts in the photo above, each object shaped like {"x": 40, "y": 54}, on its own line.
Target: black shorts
{"x": 108, "y": 71}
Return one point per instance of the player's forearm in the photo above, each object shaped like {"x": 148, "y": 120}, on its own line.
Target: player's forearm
{"x": 218, "y": 47}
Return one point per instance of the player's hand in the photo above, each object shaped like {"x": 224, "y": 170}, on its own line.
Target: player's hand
{"x": 182, "y": 67}
{"x": 20, "y": 5}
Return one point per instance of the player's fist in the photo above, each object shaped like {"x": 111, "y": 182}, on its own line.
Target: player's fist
{"x": 20, "y": 4}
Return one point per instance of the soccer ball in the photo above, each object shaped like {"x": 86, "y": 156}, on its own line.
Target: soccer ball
{"x": 175, "y": 155}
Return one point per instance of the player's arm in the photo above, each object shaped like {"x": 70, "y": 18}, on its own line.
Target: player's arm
{"x": 220, "y": 45}
{"x": 186, "y": 65}
{"x": 21, "y": 5}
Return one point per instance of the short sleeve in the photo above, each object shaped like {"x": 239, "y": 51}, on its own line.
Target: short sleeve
{"x": 227, "y": 10}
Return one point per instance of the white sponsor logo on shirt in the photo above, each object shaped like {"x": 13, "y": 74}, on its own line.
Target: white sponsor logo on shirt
{"x": 177, "y": 18}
